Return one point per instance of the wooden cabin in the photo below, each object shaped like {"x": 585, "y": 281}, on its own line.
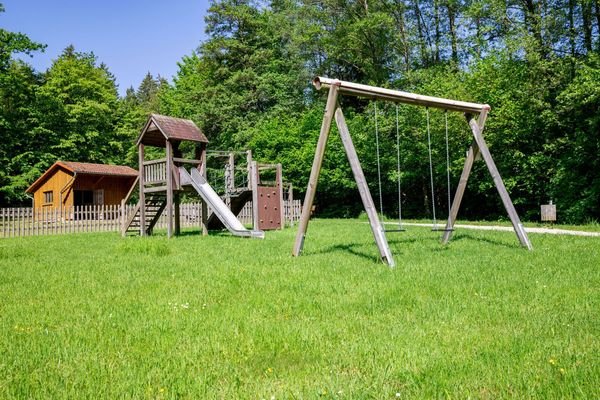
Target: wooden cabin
{"x": 67, "y": 184}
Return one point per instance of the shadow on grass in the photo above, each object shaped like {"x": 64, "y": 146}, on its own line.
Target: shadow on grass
{"x": 467, "y": 236}
{"x": 397, "y": 240}
{"x": 347, "y": 248}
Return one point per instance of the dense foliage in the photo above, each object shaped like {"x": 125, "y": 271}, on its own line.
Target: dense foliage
{"x": 536, "y": 62}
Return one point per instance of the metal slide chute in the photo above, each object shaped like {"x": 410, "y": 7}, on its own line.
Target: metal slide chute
{"x": 199, "y": 183}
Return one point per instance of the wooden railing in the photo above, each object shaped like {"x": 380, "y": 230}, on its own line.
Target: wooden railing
{"x": 155, "y": 171}
{"x": 18, "y": 222}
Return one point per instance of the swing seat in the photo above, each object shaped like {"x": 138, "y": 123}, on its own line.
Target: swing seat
{"x": 395, "y": 230}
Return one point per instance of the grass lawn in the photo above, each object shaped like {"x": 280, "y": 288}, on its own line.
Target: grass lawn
{"x": 98, "y": 316}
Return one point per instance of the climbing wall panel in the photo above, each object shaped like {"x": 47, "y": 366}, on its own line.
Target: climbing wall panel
{"x": 269, "y": 208}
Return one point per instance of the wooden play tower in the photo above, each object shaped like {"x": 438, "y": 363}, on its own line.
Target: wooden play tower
{"x": 156, "y": 192}
{"x": 162, "y": 181}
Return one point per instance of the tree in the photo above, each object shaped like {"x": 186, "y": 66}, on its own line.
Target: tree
{"x": 18, "y": 83}
{"x": 245, "y": 71}
{"x": 11, "y": 43}
{"x": 18, "y": 119}
{"x": 77, "y": 111}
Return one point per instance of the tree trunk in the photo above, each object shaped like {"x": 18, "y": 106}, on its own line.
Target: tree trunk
{"x": 597, "y": 12}
{"x": 586, "y": 14}
{"x": 422, "y": 44}
{"x": 478, "y": 38}
{"x": 572, "y": 33}
{"x": 436, "y": 16}
{"x": 452, "y": 26}
{"x": 533, "y": 22}
{"x": 401, "y": 23}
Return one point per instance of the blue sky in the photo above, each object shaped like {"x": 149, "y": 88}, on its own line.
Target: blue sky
{"x": 132, "y": 37}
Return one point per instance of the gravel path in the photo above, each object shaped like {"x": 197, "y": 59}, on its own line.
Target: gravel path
{"x": 551, "y": 231}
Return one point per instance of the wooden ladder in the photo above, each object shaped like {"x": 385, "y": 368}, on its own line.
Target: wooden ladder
{"x": 155, "y": 204}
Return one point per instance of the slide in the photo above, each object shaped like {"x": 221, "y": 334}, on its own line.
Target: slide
{"x": 216, "y": 204}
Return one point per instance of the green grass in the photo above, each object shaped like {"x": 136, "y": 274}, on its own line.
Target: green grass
{"x": 97, "y": 316}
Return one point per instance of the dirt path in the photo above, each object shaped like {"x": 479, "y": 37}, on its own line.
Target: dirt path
{"x": 551, "y": 231}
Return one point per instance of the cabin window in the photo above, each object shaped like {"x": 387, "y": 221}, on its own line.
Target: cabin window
{"x": 48, "y": 197}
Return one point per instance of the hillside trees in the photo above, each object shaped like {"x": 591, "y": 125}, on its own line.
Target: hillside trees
{"x": 66, "y": 113}
{"x": 247, "y": 85}
{"x": 18, "y": 83}
{"x": 245, "y": 72}
{"x": 517, "y": 56}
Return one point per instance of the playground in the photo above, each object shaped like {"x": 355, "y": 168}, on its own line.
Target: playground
{"x": 224, "y": 317}
{"x": 217, "y": 316}
{"x": 300, "y": 200}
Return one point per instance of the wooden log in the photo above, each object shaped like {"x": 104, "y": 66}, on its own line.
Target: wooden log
{"x": 460, "y": 191}
{"x": 169, "y": 151}
{"x": 186, "y": 161}
{"x": 311, "y": 189}
{"x": 472, "y": 155}
{"x": 373, "y": 92}
{"x": 363, "y": 189}
{"x": 508, "y": 205}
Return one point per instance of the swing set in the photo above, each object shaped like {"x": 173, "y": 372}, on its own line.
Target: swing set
{"x": 476, "y": 115}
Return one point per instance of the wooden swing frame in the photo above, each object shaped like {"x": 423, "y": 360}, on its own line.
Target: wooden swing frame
{"x": 475, "y": 114}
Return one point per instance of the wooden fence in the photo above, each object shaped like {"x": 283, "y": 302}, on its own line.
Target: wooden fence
{"x": 17, "y": 222}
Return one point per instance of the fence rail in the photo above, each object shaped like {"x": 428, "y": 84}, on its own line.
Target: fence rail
{"x": 18, "y": 222}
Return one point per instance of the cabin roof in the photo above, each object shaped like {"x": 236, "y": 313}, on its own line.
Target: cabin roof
{"x": 84, "y": 169}
{"x": 160, "y": 128}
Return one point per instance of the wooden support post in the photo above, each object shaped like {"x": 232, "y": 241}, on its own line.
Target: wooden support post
{"x": 204, "y": 212}
{"x": 142, "y": 194}
{"x": 460, "y": 191}
{"x": 169, "y": 177}
{"x": 249, "y": 168}
{"x": 309, "y": 198}
{"x": 229, "y": 178}
{"x": 291, "y": 207}
{"x": 123, "y": 218}
{"x": 177, "y": 205}
{"x": 363, "y": 189}
{"x": 472, "y": 155}
{"x": 508, "y": 205}
{"x": 279, "y": 182}
{"x": 255, "y": 220}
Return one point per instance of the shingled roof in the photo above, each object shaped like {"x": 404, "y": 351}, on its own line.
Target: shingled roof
{"x": 84, "y": 169}
{"x": 159, "y": 128}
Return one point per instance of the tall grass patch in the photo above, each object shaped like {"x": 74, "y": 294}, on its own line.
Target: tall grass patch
{"x": 98, "y": 316}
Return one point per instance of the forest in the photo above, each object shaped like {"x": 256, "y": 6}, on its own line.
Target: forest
{"x": 535, "y": 62}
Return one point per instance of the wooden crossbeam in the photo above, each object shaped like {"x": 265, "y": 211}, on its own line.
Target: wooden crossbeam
{"x": 397, "y": 96}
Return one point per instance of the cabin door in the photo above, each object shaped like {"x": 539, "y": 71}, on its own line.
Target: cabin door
{"x": 82, "y": 199}
{"x": 99, "y": 197}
